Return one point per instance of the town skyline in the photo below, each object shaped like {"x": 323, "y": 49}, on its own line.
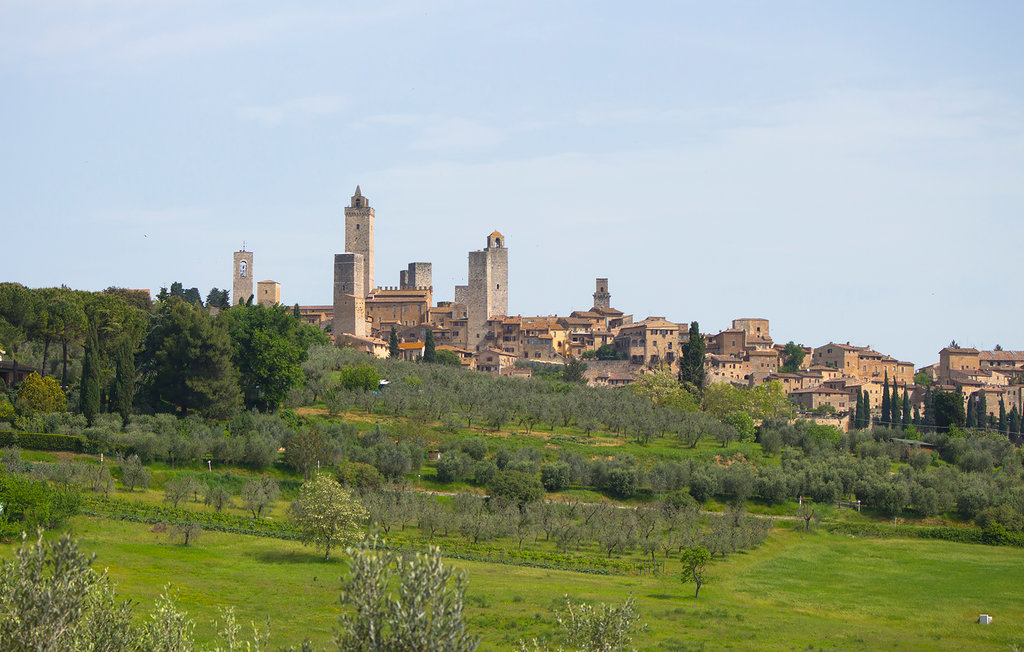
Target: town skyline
{"x": 842, "y": 171}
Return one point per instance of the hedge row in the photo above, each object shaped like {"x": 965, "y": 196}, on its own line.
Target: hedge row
{"x": 994, "y": 536}
{"x": 41, "y": 441}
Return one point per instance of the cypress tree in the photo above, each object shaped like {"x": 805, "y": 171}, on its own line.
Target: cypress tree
{"x": 393, "y": 349}
{"x": 866, "y": 422}
{"x": 886, "y": 410}
{"x": 429, "y": 349}
{"x": 89, "y": 387}
{"x": 970, "y": 422}
{"x": 929, "y": 408}
{"x": 895, "y": 417}
{"x": 691, "y": 364}
{"x": 1014, "y": 420}
{"x": 124, "y": 382}
{"x": 917, "y": 416}
{"x": 906, "y": 409}
{"x": 858, "y": 412}
{"x": 1004, "y": 427}
{"x": 981, "y": 411}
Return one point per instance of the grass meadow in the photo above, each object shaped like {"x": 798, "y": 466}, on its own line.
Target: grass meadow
{"x": 798, "y": 591}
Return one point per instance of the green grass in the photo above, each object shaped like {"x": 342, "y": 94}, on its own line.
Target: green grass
{"x": 800, "y": 590}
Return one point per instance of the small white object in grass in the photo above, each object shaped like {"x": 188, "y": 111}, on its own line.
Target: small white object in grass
{"x": 984, "y": 619}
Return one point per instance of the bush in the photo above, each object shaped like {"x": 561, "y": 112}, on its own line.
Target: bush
{"x": 623, "y": 481}
{"x": 452, "y": 467}
{"x": 43, "y": 441}
{"x": 518, "y": 486}
{"x": 556, "y": 476}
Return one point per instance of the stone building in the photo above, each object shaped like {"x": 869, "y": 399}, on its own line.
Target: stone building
{"x": 359, "y": 236}
{"x": 391, "y": 306}
{"x": 268, "y": 293}
{"x": 418, "y": 275}
{"x": 241, "y": 277}
{"x": 602, "y": 298}
{"x": 320, "y": 316}
{"x": 651, "y": 341}
{"x": 349, "y": 296}
{"x": 487, "y": 293}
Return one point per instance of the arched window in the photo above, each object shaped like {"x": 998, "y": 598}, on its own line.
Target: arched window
{"x": 243, "y": 269}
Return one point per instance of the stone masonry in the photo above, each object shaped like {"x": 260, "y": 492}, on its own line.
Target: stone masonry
{"x": 359, "y": 236}
{"x": 487, "y": 294}
{"x": 241, "y": 277}
{"x": 419, "y": 275}
{"x": 349, "y": 296}
{"x": 602, "y": 298}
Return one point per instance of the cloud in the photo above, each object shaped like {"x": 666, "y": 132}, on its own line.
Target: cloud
{"x": 310, "y": 106}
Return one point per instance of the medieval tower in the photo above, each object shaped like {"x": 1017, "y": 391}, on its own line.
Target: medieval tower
{"x": 359, "y": 236}
{"x": 349, "y": 296}
{"x": 487, "y": 293}
{"x": 241, "y": 277}
{"x": 602, "y": 298}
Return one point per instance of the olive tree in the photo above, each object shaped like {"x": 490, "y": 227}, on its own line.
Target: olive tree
{"x": 402, "y": 602}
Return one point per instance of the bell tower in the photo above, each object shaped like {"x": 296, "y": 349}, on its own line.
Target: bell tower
{"x": 241, "y": 277}
{"x": 359, "y": 235}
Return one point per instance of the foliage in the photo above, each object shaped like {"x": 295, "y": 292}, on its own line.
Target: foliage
{"x": 792, "y": 357}
{"x": 40, "y": 395}
{"x": 42, "y": 441}
{"x": 662, "y": 389}
{"x": 518, "y": 486}
{"x": 691, "y": 362}
{"x": 695, "y": 561}
{"x": 601, "y": 628}
{"x": 259, "y": 493}
{"x": 949, "y": 410}
{"x": 573, "y": 371}
{"x": 269, "y": 346}
{"x": 327, "y": 514}
{"x": 89, "y": 388}
{"x": 186, "y": 362}
{"x": 361, "y": 377}
{"x": 134, "y": 474}
{"x": 52, "y": 599}
{"x": 29, "y": 504}
{"x": 425, "y": 612}
{"x": 124, "y": 382}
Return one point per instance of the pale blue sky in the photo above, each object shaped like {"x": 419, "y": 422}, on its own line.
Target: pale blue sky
{"x": 852, "y": 171}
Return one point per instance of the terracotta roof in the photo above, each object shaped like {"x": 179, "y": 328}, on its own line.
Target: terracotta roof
{"x": 408, "y": 346}
{"x": 950, "y": 349}
{"x": 1014, "y": 356}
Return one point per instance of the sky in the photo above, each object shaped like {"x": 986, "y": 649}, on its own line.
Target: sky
{"x": 851, "y": 171}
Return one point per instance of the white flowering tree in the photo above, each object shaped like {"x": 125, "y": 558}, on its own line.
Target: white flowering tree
{"x": 327, "y": 514}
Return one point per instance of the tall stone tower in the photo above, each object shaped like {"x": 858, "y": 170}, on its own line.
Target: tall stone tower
{"x": 359, "y": 235}
{"x": 349, "y": 297}
{"x": 419, "y": 275}
{"x": 241, "y": 277}
{"x": 602, "y": 298}
{"x": 487, "y": 295}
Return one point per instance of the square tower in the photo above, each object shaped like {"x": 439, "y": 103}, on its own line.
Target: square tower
{"x": 359, "y": 236}
{"x": 602, "y": 298}
{"x": 268, "y": 293}
{"x": 487, "y": 294}
{"x": 349, "y": 297}
{"x": 241, "y": 277}
{"x": 419, "y": 275}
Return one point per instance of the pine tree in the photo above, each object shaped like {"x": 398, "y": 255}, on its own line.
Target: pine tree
{"x": 393, "y": 349}
{"x": 429, "y": 349}
{"x": 89, "y": 387}
{"x": 906, "y": 409}
{"x": 124, "y": 382}
{"x": 1004, "y": 427}
{"x": 886, "y": 410}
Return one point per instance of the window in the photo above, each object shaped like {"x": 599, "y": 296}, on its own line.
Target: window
{"x": 357, "y": 227}
{"x": 243, "y": 269}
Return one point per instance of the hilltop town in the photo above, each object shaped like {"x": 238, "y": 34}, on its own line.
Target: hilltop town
{"x": 829, "y": 383}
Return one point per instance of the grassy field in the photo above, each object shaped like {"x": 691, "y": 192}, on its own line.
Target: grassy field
{"x": 799, "y": 591}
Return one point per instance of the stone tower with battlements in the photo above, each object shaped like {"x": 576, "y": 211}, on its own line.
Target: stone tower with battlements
{"x": 359, "y": 236}
{"x": 241, "y": 277}
{"x": 602, "y": 298}
{"x": 419, "y": 275}
{"x": 349, "y": 296}
{"x": 487, "y": 293}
